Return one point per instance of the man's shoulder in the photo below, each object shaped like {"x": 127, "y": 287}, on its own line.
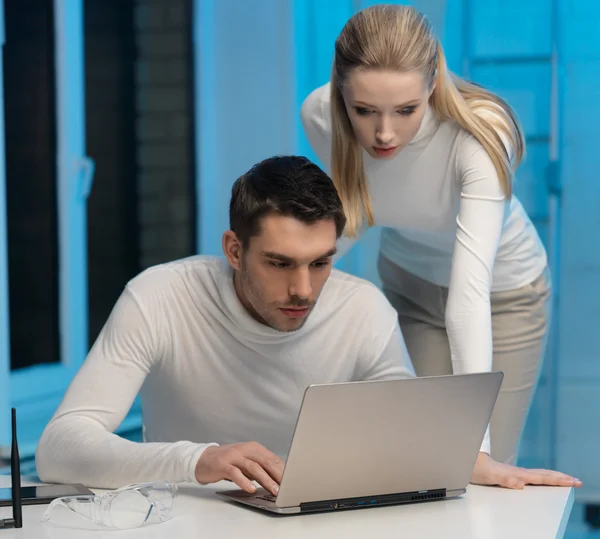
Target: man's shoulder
{"x": 359, "y": 293}
{"x": 357, "y": 310}
{"x": 162, "y": 278}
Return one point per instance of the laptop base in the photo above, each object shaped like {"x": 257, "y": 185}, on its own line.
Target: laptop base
{"x": 263, "y": 501}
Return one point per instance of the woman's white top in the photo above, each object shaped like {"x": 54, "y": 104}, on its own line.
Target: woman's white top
{"x": 446, "y": 220}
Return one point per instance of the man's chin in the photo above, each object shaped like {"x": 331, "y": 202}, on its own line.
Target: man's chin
{"x": 290, "y": 325}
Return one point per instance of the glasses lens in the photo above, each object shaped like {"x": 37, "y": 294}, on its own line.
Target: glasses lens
{"x": 161, "y": 493}
{"x": 129, "y": 509}
{"x": 60, "y": 508}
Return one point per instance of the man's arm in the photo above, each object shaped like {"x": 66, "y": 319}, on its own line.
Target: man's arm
{"x": 79, "y": 446}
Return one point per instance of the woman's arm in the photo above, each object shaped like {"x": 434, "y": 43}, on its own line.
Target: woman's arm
{"x": 480, "y": 219}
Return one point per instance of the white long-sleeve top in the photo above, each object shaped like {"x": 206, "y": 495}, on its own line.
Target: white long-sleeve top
{"x": 445, "y": 219}
{"x": 208, "y": 373}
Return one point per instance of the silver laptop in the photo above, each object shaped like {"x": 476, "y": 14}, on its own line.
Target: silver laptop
{"x": 368, "y": 444}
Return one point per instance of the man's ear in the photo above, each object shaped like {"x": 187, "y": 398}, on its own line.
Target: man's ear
{"x": 232, "y": 248}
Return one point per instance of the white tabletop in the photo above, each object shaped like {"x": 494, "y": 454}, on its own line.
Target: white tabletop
{"x": 482, "y": 513}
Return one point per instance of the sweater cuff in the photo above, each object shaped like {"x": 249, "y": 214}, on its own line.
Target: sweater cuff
{"x": 192, "y": 460}
{"x": 486, "y": 444}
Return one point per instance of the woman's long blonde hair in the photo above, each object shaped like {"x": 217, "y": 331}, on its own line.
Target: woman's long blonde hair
{"x": 400, "y": 38}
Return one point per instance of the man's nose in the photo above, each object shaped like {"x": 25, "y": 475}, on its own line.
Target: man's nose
{"x": 300, "y": 284}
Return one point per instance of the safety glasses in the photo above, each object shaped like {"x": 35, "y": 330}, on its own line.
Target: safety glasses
{"x": 125, "y": 508}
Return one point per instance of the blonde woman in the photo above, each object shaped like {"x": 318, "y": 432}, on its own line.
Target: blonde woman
{"x": 430, "y": 158}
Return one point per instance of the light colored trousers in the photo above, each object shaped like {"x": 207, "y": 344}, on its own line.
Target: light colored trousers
{"x": 520, "y": 322}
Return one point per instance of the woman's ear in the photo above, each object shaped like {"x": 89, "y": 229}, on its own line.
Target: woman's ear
{"x": 232, "y": 248}
{"x": 433, "y": 83}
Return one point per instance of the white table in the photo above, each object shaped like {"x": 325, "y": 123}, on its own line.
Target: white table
{"x": 482, "y": 513}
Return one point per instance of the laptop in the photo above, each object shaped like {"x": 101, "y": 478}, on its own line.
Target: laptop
{"x": 374, "y": 443}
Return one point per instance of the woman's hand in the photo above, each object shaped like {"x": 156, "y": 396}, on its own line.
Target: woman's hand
{"x": 489, "y": 472}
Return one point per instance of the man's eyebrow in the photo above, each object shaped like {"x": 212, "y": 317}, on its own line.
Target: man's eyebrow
{"x": 329, "y": 253}
{"x": 276, "y": 256}
{"x": 287, "y": 259}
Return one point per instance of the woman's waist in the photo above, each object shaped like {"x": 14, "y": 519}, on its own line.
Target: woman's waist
{"x": 430, "y": 258}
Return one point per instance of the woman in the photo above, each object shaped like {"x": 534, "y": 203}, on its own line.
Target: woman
{"x": 430, "y": 157}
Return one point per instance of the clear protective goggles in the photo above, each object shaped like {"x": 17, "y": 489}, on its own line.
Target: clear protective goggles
{"x": 125, "y": 508}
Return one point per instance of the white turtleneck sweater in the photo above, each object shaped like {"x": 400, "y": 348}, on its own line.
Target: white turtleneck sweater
{"x": 208, "y": 373}
{"x": 445, "y": 219}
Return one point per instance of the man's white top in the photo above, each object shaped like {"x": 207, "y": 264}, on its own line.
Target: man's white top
{"x": 208, "y": 372}
{"x": 446, "y": 220}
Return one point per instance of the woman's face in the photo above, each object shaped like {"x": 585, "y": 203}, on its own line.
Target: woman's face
{"x": 385, "y": 108}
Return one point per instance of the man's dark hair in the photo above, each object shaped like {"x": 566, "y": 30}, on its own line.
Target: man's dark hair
{"x": 288, "y": 185}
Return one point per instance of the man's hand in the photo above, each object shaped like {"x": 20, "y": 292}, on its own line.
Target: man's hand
{"x": 489, "y": 472}
{"x": 242, "y": 464}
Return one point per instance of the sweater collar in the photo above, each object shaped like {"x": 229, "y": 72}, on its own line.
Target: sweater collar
{"x": 251, "y": 328}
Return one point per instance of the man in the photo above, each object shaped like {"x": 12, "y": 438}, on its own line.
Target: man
{"x": 223, "y": 349}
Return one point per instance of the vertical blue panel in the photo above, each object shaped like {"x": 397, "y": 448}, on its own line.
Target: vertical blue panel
{"x": 207, "y": 190}
{"x": 510, "y": 28}
{"x": 452, "y": 36}
{"x": 578, "y": 433}
{"x": 72, "y": 200}
{"x": 526, "y": 87}
{"x": 316, "y": 26}
{"x": 304, "y": 52}
{"x": 530, "y": 185}
{"x": 245, "y": 79}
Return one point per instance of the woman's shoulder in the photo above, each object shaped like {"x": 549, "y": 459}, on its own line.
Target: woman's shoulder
{"x": 314, "y": 112}
{"x": 497, "y": 117}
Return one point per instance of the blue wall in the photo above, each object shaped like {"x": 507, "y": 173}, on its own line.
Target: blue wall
{"x": 245, "y": 80}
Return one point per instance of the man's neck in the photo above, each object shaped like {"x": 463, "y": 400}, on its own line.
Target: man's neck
{"x": 246, "y": 305}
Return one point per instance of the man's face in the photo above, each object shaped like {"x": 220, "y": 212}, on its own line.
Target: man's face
{"x": 280, "y": 274}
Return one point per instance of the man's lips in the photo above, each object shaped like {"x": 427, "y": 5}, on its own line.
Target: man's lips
{"x": 295, "y": 312}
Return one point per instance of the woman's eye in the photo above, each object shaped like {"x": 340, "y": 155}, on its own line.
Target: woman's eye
{"x": 407, "y": 111}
